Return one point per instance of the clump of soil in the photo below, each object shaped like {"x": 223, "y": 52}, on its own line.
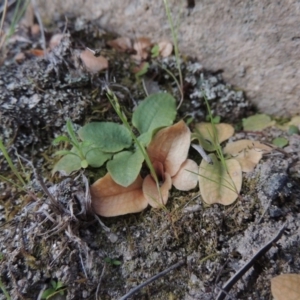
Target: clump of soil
{"x": 48, "y": 231}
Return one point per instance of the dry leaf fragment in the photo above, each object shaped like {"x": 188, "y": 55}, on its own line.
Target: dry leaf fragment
{"x": 207, "y": 138}
{"x": 92, "y": 63}
{"x": 247, "y": 152}
{"x": 55, "y": 40}
{"x": 20, "y": 57}
{"x": 294, "y": 121}
{"x": 121, "y": 44}
{"x": 142, "y": 47}
{"x": 151, "y": 192}
{"x": 219, "y": 184}
{"x": 286, "y": 287}
{"x": 186, "y": 178}
{"x": 35, "y": 29}
{"x": 36, "y": 52}
{"x": 165, "y": 48}
{"x": 110, "y": 199}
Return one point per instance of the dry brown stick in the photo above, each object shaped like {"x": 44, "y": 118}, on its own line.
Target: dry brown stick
{"x": 155, "y": 277}
{"x": 238, "y": 275}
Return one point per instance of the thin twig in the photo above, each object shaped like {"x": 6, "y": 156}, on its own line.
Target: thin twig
{"x": 176, "y": 50}
{"x": 39, "y": 19}
{"x": 4, "y": 10}
{"x": 104, "y": 227}
{"x": 56, "y": 205}
{"x": 6, "y": 5}
{"x": 238, "y": 275}
{"x": 100, "y": 279}
{"x": 82, "y": 264}
{"x": 137, "y": 288}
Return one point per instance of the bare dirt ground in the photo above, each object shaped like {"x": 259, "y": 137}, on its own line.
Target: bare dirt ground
{"x": 48, "y": 231}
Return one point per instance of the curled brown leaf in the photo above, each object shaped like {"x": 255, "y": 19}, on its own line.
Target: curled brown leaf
{"x": 110, "y": 199}
{"x": 247, "y": 152}
{"x": 170, "y": 146}
{"x": 92, "y": 63}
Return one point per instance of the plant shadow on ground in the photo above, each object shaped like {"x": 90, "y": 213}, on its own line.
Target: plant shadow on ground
{"x": 41, "y": 240}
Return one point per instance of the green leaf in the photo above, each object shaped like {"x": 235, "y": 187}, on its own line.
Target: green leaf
{"x": 116, "y": 262}
{"x": 64, "y": 152}
{"x": 257, "y": 122}
{"x": 71, "y": 133}
{"x": 112, "y": 261}
{"x": 155, "y": 51}
{"x": 293, "y": 129}
{"x": 95, "y": 157}
{"x": 47, "y": 293}
{"x": 125, "y": 167}
{"x": 68, "y": 163}
{"x": 59, "y": 285}
{"x": 108, "y": 136}
{"x": 280, "y": 142}
{"x": 157, "y": 110}
{"x": 84, "y": 164}
{"x": 143, "y": 71}
{"x": 59, "y": 139}
{"x": 145, "y": 138}
{"x": 107, "y": 260}
{"x": 53, "y": 283}
{"x": 215, "y": 120}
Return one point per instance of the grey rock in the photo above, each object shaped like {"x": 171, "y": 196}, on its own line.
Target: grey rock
{"x": 256, "y": 43}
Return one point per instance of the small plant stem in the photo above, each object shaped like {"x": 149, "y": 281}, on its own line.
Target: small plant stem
{"x": 175, "y": 79}
{"x": 12, "y": 183}
{"x": 74, "y": 140}
{"x": 114, "y": 102}
{"x": 2, "y": 287}
{"x": 19, "y": 12}
{"x": 3, "y": 14}
{"x": 217, "y": 143}
{"x": 10, "y": 163}
{"x": 71, "y": 133}
{"x": 176, "y": 50}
